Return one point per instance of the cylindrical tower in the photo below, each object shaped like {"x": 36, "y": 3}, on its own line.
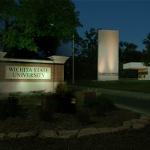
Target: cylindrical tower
{"x": 108, "y": 54}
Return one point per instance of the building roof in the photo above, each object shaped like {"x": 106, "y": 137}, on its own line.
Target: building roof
{"x": 134, "y": 65}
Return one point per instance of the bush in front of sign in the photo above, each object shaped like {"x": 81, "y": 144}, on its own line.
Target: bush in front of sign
{"x": 66, "y": 98}
{"x": 49, "y": 106}
{"x": 10, "y": 107}
{"x": 3, "y": 107}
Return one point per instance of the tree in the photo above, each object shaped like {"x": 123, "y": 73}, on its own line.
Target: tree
{"x": 7, "y": 10}
{"x": 37, "y": 24}
{"x": 146, "y": 51}
{"x": 128, "y": 52}
{"x": 89, "y": 44}
{"x": 86, "y": 56}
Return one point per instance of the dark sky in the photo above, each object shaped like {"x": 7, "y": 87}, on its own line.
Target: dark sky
{"x": 131, "y": 18}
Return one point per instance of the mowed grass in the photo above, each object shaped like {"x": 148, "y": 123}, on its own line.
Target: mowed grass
{"x": 127, "y": 85}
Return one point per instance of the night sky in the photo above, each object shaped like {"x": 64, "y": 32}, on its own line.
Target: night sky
{"x": 131, "y": 18}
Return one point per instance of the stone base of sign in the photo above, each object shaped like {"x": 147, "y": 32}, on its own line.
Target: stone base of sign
{"x": 27, "y": 86}
{"x": 24, "y": 75}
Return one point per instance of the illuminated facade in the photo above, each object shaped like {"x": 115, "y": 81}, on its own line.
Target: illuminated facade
{"x": 108, "y": 59}
{"x": 24, "y": 75}
{"x": 142, "y": 71}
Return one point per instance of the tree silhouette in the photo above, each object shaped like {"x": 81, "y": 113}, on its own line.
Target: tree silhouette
{"x": 146, "y": 50}
{"x": 37, "y": 24}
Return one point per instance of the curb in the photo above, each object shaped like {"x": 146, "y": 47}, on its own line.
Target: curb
{"x": 134, "y": 124}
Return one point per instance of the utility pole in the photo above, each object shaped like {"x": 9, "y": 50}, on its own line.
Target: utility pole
{"x": 73, "y": 46}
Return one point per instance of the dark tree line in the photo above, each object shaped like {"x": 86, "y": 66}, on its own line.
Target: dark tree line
{"x": 28, "y": 27}
{"x": 85, "y": 57}
{"x": 87, "y": 50}
{"x": 36, "y": 25}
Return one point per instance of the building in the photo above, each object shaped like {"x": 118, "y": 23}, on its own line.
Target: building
{"x": 136, "y": 70}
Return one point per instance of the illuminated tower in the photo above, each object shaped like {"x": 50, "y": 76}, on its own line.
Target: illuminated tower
{"x": 108, "y": 58}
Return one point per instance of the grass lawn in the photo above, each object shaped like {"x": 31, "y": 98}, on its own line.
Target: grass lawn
{"x": 128, "y": 85}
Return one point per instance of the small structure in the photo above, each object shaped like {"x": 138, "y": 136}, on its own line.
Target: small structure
{"x": 108, "y": 58}
{"x": 137, "y": 70}
{"x": 24, "y": 75}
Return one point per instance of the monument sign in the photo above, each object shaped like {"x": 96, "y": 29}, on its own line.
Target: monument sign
{"x": 24, "y": 75}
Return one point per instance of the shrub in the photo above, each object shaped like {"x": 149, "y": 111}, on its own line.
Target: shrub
{"x": 62, "y": 101}
{"x": 83, "y": 116}
{"x": 99, "y": 104}
{"x": 61, "y": 89}
{"x": 103, "y": 105}
{"x": 3, "y": 109}
{"x": 10, "y": 108}
{"x": 90, "y": 98}
{"x": 66, "y": 98}
{"x": 49, "y": 106}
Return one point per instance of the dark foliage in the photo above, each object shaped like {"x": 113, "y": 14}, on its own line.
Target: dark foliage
{"x": 66, "y": 98}
{"x": 10, "y": 108}
{"x": 100, "y": 104}
{"x": 83, "y": 115}
{"x": 49, "y": 106}
{"x": 63, "y": 101}
{"x": 85, "y": 57}
{"x": 47, "y": 44}
{"x": 37, "y": 25}
{"x": 23, "y": 53}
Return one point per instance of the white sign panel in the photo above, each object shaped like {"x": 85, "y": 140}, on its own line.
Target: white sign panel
{"x": 27, "y": 72}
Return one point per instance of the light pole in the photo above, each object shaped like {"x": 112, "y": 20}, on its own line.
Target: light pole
{"x": 73, "y": 46}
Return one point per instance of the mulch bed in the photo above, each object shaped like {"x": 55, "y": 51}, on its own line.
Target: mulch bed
{"x": 64, "y": 121}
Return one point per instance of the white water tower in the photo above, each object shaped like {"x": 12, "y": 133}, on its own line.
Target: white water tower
{"x": 108, "y": 55}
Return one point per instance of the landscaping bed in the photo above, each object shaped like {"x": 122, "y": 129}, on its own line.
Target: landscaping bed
{"x": 122, "y": 140}
{"x": 94, "y": 121}
{"x": 64, "y": 121}
{"x": 67, "y": 109}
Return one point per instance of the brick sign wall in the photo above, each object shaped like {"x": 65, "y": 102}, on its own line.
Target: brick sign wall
{"x": 26, "y": 71}
{"x": 29, "y": 76}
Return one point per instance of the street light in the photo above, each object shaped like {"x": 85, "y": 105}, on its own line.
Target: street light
{"x": 73, "y": 46}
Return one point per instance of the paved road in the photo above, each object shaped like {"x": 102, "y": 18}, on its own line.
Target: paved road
{"x": 136, "y": 101}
